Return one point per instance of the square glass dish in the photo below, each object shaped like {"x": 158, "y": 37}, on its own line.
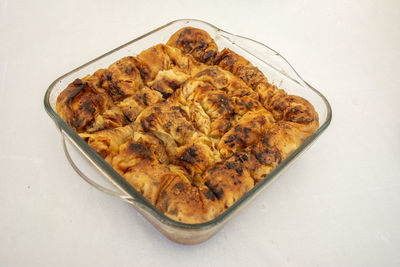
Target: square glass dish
{"x": 274, "y": 66}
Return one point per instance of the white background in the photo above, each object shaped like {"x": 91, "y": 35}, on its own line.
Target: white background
{"x": 338, "y": 205}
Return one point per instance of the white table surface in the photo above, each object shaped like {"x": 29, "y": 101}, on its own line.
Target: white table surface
{"x": 339, "y": 205}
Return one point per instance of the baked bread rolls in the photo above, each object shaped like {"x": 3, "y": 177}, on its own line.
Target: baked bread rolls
{"x": 190, "y": 127}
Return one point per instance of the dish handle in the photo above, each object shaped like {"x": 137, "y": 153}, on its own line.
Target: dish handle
{"x": 104, "y": 189}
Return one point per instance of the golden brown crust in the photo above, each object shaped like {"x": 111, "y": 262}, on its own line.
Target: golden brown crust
{"x": 81, "y": 102}
{"x": 180, "y": 200}
{"x": 167, "y": 81}
{"x": 240, "y": 67}
{"x": 106, "y": 142}
{"x": 133, "y": 105}
{"x": 191, "y": 129}
{"x": 152, "y": 61}
{"x": 196, "y": 42}
{"x": 122, "y": 79}
{"x": 250, "y": 129}
{"x": 228, "y": 182}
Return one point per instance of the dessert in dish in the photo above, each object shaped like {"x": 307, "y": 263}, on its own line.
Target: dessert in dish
{"x": 190, "y": 127}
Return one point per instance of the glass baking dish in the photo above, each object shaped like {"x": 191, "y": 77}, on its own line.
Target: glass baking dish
{"x": 274, "y": 66}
